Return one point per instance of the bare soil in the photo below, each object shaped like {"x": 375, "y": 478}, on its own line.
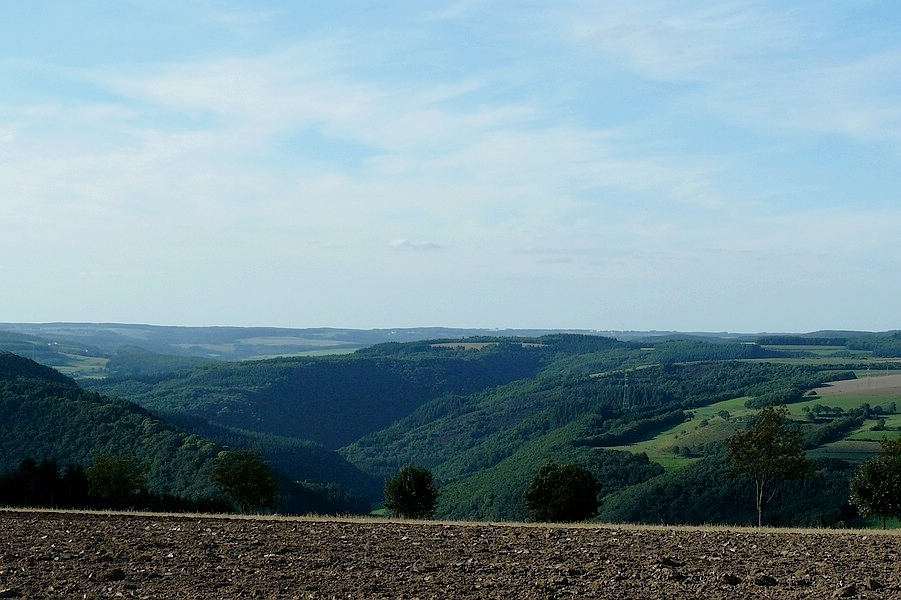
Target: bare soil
{"x": 877, "y": 386}
{"x": 84, "y": 555}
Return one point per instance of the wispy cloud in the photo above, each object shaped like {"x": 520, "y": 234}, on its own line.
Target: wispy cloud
{"x": 771, "y": 68}
{"x": 404, "y": 244}
{"x": 549, "y": 152}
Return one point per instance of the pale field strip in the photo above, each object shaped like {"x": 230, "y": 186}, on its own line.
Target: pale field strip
{"x": 876, "y": 385}
{"x": 369, "y": 520}
{"x": 480, "y": 345}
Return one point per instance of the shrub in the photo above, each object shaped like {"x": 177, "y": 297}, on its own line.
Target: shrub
{"x": 247, "y": 479}
{"x": 876, "y": 487}
{"x": 412, "y": 493}
{"x": 563, "y": 494}
{"x": 116, "y": 479}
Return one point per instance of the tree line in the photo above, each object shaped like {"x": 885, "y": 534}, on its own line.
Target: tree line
{"x": 246, "y": 482}
{"x": 769, "y": 453}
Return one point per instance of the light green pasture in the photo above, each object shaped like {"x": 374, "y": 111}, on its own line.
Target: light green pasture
{"x": 83, "y": 367}
{"x": 661, "y": 447}
{"x": 858, "y": 447}
{"x": 826, "y": 351}
{"x": 891, "y": 430}
{"x": 837, "y": 361}
{"x": 844, "y": 402}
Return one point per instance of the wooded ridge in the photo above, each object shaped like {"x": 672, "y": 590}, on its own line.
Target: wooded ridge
{"x": 482, "y": 413}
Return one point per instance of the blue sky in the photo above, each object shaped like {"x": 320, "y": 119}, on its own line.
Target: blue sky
{"x": 694, "y": 166}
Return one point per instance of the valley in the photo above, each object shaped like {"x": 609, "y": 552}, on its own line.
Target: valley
{"x": 483, "y": 413}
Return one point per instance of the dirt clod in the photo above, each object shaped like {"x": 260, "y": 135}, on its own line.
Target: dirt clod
{"x": 115, "y": 575}
{"x": 730, "y": 579}
{"x": 874, "y": 584}
{"x": 762, "y": 579}
{"x": 847, "y": 591}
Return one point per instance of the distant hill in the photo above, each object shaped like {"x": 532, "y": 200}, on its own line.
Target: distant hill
{"x": 483, "y": 413}
{"x": 235, "y": 343}
{"x": 67, "y": 356}
{"x": 333, "y": 400}
{"x": 93, "y": 350}
{"x": 486, "y": 447}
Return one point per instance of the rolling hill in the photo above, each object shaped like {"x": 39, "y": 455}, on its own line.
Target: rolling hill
{"x": 45, "y": 416}
{"x": 484, "y": 413}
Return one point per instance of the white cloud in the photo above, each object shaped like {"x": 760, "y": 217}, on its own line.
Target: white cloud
{"x": 667, "y": 42}
{"x": 486, "y": 156}
{"x": 404, "y": 244}
{"x": 772, "y": 69}
{"x": 608, "y": 162}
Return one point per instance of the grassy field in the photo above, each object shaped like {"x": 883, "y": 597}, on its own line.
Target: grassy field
{"x": 706, "y": 426}
{"x": 891, "y": 430}
{"x": 84, "y": 367}
{"x": 709, "y": 425}
{"x": 854, "y": 451}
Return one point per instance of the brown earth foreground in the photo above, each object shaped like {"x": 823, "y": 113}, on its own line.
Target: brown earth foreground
{"x": 81, "y": 555}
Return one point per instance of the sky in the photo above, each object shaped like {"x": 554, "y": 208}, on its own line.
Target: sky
{"x": 612, "y": 165}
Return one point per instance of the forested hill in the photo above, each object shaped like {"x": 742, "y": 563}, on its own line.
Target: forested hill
{"x": 334, "y": 400}
{"x": 45, "y": 415}
{"x": 47, "y": 418}
{"x": 486, "y": 447}
{"x": 483, "y": 414}
{"x": 337, "y": 400}
{"x": 14, "y": 367}
{"x": 52, "y": 341}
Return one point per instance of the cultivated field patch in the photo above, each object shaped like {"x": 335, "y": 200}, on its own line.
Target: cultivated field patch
{"x": 82, "y": 555}
{"x": 873, "y": 386}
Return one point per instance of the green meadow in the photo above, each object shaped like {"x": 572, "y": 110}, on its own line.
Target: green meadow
{"x": 83, "y": 367}
{"x": 711, "y": 424}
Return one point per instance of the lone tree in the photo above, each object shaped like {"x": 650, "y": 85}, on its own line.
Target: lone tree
{"x": 768, "y": 452}
{"x": 412, "y": 493}
{"x": 876, "y": 486}
{"x": 245, "y": 477}
{"x": 563, "y": 494}
{"x": 116, "y": 479}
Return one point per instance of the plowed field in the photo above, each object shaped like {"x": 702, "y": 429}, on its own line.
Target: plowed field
{"x": 883, "y": 386}
{"x": 81, "y": 555}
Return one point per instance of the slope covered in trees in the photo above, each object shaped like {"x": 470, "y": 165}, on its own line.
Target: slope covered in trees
{"x": 329, "y": 400}
{"x": 485, "y": 447}
{"x": 484, "y": 414}
{"x": 48, "y": 423}
{"x": 710, "y": 491}
{"x": 45, "y": 415}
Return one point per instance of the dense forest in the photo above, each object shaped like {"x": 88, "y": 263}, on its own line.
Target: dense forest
{"x": 44, "y": 415}
{"x": 51, "y": 430}
{"x": 330, "y": 400}
{"x": 709, "y": 491}
{"x": 482, "y": 413}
